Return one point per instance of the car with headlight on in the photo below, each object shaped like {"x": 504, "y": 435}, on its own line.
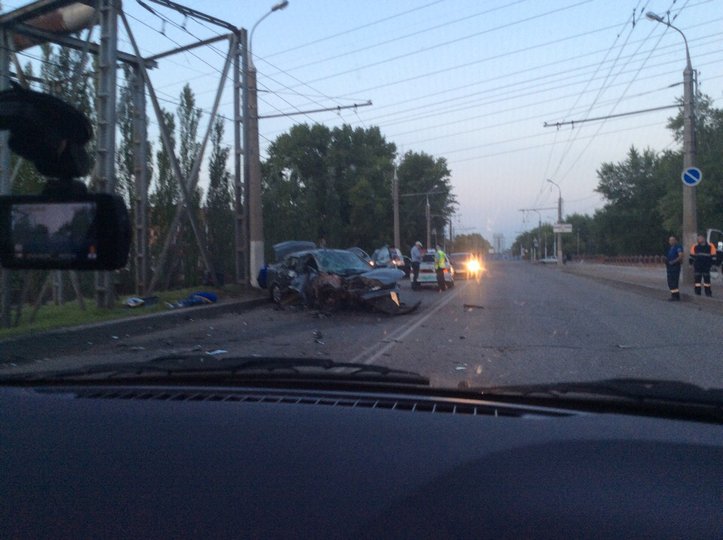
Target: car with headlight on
{"x": 466, "y": 265}
{"x": 391, "y": 257}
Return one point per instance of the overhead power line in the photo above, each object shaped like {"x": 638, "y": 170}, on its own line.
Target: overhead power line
{"x": 325, "y": 109}
{"x": 630, "y": 113}
{"x": 448, "y": 42}
{"x": 355, "y": 29}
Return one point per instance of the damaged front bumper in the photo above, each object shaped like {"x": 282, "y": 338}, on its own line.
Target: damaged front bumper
{"x": 387, "y": 301}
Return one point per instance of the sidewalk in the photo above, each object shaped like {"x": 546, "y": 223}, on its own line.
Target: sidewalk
{"x": 647, "y": 279}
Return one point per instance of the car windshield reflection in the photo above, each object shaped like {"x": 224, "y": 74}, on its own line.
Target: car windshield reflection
{"x": 341, "y": 262}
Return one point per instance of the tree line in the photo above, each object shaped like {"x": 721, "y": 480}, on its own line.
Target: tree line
{"x": 643, "y": 196}
{"x": 336, "y": 185}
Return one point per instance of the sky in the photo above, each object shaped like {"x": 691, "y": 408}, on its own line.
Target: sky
{"x": 471, "y": 81}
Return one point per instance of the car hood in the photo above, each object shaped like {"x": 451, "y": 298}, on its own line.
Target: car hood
{"x": 384, "y": 276}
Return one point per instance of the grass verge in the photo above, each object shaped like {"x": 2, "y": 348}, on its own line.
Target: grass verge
{"x": 51, "y": 316}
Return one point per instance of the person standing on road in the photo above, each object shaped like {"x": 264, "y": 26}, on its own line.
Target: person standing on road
{"x": 673, "y": 261}
{"x": 440, "y": 263}
{"x": 702, "y": 255}
{"x": 416, "y": 256}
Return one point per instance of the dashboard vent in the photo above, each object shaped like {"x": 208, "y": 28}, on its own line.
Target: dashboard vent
{"x": 395, "y": 403}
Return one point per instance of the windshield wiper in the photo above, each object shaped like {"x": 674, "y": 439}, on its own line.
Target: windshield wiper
{"x": 650, "y": 394}
{"x": 231, "y": 369}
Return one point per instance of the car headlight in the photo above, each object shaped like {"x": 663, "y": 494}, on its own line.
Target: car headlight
{"x": 474, "y": 265}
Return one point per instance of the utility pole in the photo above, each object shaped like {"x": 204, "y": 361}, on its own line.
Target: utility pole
{"x": 395, "y": 200}
{"x": 254, "y": 209}
{"x": 690, "y": 212}
{"x": 429, "y": 224}
{"x": 558, "y": 235}
{"x": 428, "y": 211}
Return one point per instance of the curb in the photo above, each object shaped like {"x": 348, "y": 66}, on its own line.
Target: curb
{"x": 21, "y": 348}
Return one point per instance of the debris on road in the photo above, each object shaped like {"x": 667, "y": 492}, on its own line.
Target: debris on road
{"x": 196, "y": 299}
{"x": 470, "y": 307}
{"x": 136, "y": 301}
{"x": 318, "y": 337}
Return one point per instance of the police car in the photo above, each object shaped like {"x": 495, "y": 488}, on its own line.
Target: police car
{"x": 427, "y": 275}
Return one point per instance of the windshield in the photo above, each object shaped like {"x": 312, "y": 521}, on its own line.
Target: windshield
{"x": 340, "y": 262}
{"x": 563, "y": 156}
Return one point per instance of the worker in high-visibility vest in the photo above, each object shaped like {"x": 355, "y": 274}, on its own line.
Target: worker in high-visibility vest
{"x": 702, "y": 255}
{"x": 440, "y": 263}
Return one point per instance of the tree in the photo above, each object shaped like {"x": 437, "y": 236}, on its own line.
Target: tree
{"x": 219, "y": 205}
{"x": 331, "y": 184}
{"x": 421, "y": 173}
{"x": 362, "y": 166}
{"x": 187, "y": 252}
{"x": 165, "y": 194}
{"x": 709, "y": 193}
{"x": 297, "y": 190}
{"x": 582, "y": 241}
{"x": 474, "y": 243}
{"x": 631, "y": 215}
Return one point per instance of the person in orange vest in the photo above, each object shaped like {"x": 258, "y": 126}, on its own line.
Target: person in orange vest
{"x": 702, "y": 255}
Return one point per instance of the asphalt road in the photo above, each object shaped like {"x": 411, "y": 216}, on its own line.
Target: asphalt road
{"x": 520, "y": 324}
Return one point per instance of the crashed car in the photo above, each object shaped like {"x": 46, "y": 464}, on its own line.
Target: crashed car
{"x": 329, "y": 279}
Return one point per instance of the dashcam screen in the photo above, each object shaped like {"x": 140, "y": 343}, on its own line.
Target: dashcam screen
{"x": 54, "y": 231}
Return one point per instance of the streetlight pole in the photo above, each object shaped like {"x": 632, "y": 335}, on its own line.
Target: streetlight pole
{"x": 429, "y": 224}
{"x": 539, "y": 234}
{"x": 690, "y": 212}
{"x": 395, "y": 202}
{"x": 558, "y": 235}
{"x": 252, "y": 161}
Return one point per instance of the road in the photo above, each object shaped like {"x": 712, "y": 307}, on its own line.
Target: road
{"x": 520, "y": 324}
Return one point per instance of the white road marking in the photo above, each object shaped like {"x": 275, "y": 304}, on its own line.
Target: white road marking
{"x": 403, "y": 331}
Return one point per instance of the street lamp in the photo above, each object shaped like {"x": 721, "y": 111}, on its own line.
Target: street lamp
{"x": 690, "y": 218}
{"x": 252, "y": 161}
{"x": 558, "y": 235}
{"x": 275, "y": 7}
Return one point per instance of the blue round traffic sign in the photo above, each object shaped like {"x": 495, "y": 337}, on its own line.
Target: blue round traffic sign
{"x": 691, "y": 176}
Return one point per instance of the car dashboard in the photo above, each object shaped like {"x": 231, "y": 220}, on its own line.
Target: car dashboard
{"x": 111, "y": 461}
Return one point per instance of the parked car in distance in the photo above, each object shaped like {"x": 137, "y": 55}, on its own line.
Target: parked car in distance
{"x": 427, "y": 275}
{"x": 391, "y": 257}
{"x": 466, "y": 265}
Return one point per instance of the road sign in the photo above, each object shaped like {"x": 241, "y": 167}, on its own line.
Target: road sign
{"x": 691, "y": 176}
{"x": 562, "y": 227}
